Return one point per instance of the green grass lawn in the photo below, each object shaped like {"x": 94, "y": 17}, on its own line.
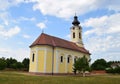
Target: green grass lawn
{"x": 20, "y": 78}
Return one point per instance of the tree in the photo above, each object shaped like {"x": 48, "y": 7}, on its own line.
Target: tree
{"x": 17, "y": 65}
{"x": 99, "y": 64}
{"x": 3, "y": 63}
{"x": 113, "y": 70}
{"x": 81, "y": 65}
{"x": 110, "y": 63}
{"x": 10, "y": 62}
{"x": 25, "y": 62}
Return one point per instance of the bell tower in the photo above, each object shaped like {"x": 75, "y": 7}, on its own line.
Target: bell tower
{"x": 76, "y": 32}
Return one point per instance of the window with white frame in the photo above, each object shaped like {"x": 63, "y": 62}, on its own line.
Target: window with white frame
{"x": 33, "y": 57}
{"x": 61, "y": 59}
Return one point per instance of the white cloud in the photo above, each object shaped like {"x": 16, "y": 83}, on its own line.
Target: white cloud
{"x": 26, "y": 36}
{"x": 26, "y": 19}
{"x": 61, "y": 8}
{"x": 105, "y": 33}
{"x": 41, "y": 25}
{"x": 9, "y": 33}
{"x": 113, "y": 5}
{"x": 113, "y": 55}
{"x": 115, "y": 29}
{"x": 1, "y": 27}
{"x": 102, "y": 36}
{"x": 19, "y": 54}
{"x": 4, "y": 4}
{"x": 104, "y": 47}
{"x": 103, "y": 25}
{"x": 4, "y": 17}
{"x": 103, "y": 44}
{"x": 96, "y": 22}
{"x": 64, "y": 8}
{"x": 67, "y": 8}
{"x": 67, "y": 37}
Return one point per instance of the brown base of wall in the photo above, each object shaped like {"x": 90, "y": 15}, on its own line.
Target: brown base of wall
{"x": 39, "y": 73}
{"x": 98, "y": 72}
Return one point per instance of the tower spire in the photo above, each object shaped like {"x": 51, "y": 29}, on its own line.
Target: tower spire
{"x": 75, "y": 21}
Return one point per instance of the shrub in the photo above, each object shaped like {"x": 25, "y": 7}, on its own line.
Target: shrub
{"x": 17, "y": 65}
{"x": 25, "y": 62}
{"x": 3, "y": 64}
{"x": 99, "y": 64}
{"x": 113, "y": 70}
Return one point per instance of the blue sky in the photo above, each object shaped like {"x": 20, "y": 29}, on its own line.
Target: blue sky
{"x": 22, "y": 21}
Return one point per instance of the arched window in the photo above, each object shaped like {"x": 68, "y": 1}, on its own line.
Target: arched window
{"x": 73, "y": 34}
{"x": 79, "y": 35}
{"x": 61, "y": 59}
{"x": 33, "y": 57}
{"x": 68, "y": 59}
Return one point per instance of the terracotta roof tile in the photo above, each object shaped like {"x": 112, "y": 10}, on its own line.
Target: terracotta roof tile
{"x": 45, "y": 39}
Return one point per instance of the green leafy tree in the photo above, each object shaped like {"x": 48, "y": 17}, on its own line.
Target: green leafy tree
{"x": 113, "y": 70}
{"x": 99, "y": 64}
{"x": 13, "y": 66}
{"x": 81, "y": 65}
{"x": 25, "y": 62}
{"x": 11, "y": 62}
{"x": 17, "y": 65}
{"x": 3, "y": 63}
{"x": 109, "y": 63}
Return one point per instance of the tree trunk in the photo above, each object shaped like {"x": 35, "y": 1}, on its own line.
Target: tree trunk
{"x": 84, "y": 74}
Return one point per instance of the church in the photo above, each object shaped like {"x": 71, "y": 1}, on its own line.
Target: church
{"x": 53, "y": 55}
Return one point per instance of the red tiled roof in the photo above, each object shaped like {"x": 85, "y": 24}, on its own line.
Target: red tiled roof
{"x": 45, "y": 39}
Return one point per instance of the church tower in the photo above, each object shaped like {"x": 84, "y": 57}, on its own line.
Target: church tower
{"x": 76, "y": 32}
